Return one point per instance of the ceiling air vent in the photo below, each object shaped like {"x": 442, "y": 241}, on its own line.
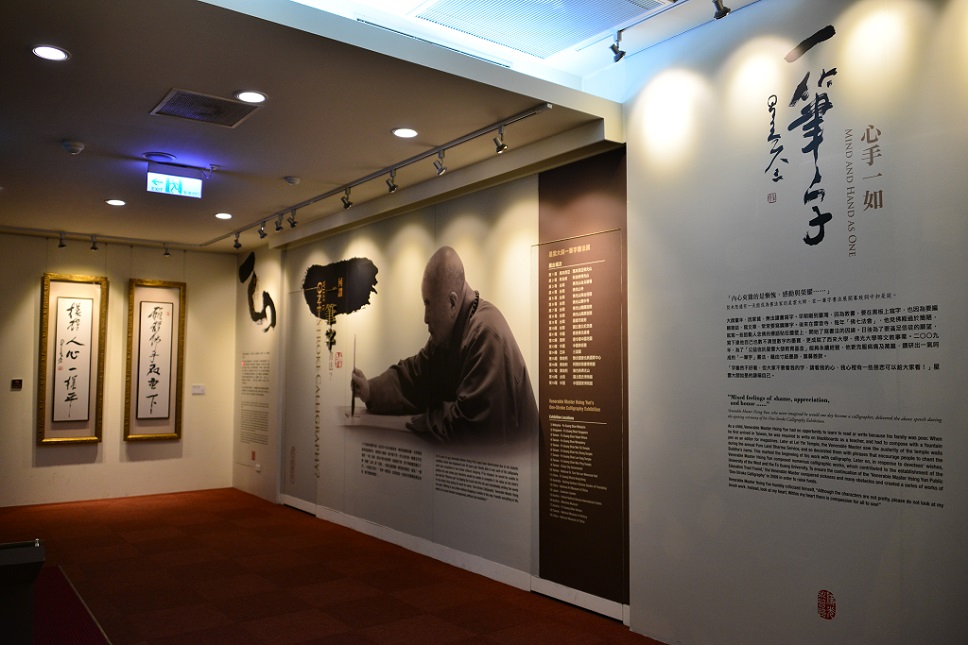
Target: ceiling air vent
{"x": 538, "y": 27}
{"x": 208, "y": 109}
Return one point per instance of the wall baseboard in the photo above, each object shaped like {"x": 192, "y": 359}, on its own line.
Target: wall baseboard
{"x": 597, "y": 604}
{"x": 298, "y": 504}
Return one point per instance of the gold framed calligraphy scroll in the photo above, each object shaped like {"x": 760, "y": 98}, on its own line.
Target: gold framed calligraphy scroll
{"x": 155, "y": 360}
{"x": 70, "y": 383}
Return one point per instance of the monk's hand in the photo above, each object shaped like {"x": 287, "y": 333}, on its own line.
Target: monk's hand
{"x": 418, "y": 424}
{"x": 360, "y": 385}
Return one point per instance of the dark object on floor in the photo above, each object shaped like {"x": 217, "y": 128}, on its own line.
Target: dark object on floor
{"x": 60, "y": 616}
{"x": 19, "y": 564}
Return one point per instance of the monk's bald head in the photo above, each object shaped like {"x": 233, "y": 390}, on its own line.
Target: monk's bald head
{"x": 443, "y": 290}
{"x": 445, "y": 271}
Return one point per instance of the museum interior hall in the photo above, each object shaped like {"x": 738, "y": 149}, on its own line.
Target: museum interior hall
{"x": 430, "y": 321}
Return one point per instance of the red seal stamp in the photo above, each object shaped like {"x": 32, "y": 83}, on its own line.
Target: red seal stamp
{"x": 826, "y": 604}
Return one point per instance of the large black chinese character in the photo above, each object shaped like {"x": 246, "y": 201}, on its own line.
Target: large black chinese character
{"x": 810, "y": 122}
{"x": 268, "y": 311}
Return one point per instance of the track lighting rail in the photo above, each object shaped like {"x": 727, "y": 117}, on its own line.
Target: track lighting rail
{"x": 432, "y": 152}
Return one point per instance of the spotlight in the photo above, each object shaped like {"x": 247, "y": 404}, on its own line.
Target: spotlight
{"x": 439, "y": 163}
{"x": 499, "y": 145}
{"x": 61, "y": 244}
{"x": 346, "y": 199}
{"x": 292, "y": 218}
{"x": 279, "y": 224}
{"x": 391, "y": 184}
{"x": 167, "y": 253}
{"x": 94, "y": 242}
{"x": 618, "y": 52}
{"x": 237, "y": 244}
{"x": 262, "y": 231}
{"x": 721, "y": 10}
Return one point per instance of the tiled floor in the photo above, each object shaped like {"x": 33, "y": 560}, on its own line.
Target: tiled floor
{"x": 223, "y": 566}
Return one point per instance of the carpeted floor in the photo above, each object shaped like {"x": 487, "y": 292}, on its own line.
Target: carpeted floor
{"x": 222, "y": 566}
{"x": 59, "y": 615}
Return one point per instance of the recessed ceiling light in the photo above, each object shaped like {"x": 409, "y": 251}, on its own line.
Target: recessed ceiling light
{"x": 405, "y": 133}
{"x": 223, "y": 215}
{"x": 114, "y": 202}
{"x": 250, "y": 96}
{"x": 50, "y": 52}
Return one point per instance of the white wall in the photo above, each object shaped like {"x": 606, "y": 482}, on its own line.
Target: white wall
{"x": 712, "y": 562}
{"x": 31, "y": 474}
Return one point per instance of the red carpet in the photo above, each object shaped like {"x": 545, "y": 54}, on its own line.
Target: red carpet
{"x": 222, "y": 566}
{"x": 59, "y": 614}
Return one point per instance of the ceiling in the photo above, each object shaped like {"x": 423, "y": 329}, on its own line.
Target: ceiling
{"x": 336, "y": 88}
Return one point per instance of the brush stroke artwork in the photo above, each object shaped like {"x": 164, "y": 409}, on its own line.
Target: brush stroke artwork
{"x": 267, "y": 315}
{"x": 346, "y": 286}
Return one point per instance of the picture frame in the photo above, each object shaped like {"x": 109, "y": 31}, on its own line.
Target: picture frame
{"x": 70, "y": 383}
{"x": 155, "y": 360}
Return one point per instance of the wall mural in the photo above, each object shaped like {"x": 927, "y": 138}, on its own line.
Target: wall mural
{"x": 469, "y": 383}
{"x": 437, "y": 444}
{"x": 778, "y": 334}
{"x": 810, "y": 284}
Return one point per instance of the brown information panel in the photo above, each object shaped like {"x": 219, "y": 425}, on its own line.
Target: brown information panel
{"x": 580, "y": 402}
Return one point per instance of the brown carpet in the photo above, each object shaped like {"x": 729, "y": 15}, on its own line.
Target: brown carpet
{"x": 222, "y": 566}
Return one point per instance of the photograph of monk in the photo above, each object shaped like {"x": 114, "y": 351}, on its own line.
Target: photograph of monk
{"x": 469, "y": 383}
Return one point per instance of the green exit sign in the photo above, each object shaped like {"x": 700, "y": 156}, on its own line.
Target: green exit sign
{"x": 174, "y": 185}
